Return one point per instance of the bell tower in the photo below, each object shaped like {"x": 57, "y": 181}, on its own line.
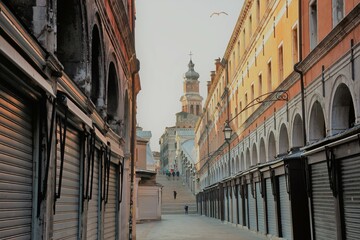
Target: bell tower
{"x": 191, "y": 101}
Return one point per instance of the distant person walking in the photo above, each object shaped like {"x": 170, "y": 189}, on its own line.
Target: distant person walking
{"x": 186, "y": 209}
{"x": 173, "y": 174}
{"x": 175, "y": 193}
{"x": 177, "y": 175}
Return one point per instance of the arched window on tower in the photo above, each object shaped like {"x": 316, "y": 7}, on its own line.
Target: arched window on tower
{"x": 192, "y": 109}
{"x": 197, "y": 110}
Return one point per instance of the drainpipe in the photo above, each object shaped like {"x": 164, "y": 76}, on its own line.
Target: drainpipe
{"x": 298, "y": 70}
{"x": 134, "y": 68}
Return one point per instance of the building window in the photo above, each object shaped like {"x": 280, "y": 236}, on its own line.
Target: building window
{"x": 240, "y": 108}
{"x": 281, "y": 64}
{"x": 192, "y": 109}
{"x": 197, "y": 110}
{"x": 243, "y": 41}
{"x": 260, "y": 84}
{"x": 246, "y": 103}
{"x": 313, "y": 24}
{"x": 258, "y": 11}
{"x": 250, "y": 26}
{"x": 338, "y": 11}
{"x": 233, "y": 59}
{"x": 252, "y": 96}
{"x": 238, "y": 50}
{"x": 295, "y": 47}
{"x": 229, "y": 70}
{"x": 269, "y": 80}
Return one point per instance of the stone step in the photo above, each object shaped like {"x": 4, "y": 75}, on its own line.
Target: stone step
{"x": 184, "y": 196}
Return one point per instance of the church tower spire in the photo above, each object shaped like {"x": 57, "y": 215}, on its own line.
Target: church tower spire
{"x": 191, "y": 101}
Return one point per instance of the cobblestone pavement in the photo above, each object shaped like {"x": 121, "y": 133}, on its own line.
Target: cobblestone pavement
{"x": 192, "y": 227}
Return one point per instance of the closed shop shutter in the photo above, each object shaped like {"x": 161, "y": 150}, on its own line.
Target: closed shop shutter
{"x": 270, "y": 203}
{"x": 246, "y": 206}
{"x": 260, "y": 209}
{"x": 66, "y": 218}
{"x": 323, "y": 203}
{"x": 16, "y": 166}
{"x": 241, "y": 210}
{"x": 234, "y": 220}
{"x": 226, "y": 205}
{"x": 350, "y": 171}
{"x": 285, "y": 213}
{"x": 93, "y": 212}
{"x": 252, "y": 209}
{"x": 110, "y": 221}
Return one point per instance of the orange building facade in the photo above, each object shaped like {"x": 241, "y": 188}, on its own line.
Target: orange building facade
{"x": 287, "y": 87}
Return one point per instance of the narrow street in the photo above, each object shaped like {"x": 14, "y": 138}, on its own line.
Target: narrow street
{"x": 191, "y": 227}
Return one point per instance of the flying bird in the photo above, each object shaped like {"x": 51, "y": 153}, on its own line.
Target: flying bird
{"x": 218, "y": 13}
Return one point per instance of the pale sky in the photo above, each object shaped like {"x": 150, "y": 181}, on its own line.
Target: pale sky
{"x": 166, "y": 31}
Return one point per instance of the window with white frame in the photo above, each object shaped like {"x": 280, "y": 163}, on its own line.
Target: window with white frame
{"x": 313, "y": 24}
{"x": 337, "y": 11}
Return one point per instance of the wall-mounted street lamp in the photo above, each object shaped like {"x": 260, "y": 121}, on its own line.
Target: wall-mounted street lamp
{"x": 274, "y": 96}
{"x": 227, "y": 133}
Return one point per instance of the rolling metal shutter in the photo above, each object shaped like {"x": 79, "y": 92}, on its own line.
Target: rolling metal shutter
{"x": 270, "y": 203}
{"x": 93, "y": 207}
{"x": 66, "y": 218}
{"x": 234, "y": 219}
{"x": 246, "y": 206}
{"x": 323, "y": 203}
{"x": 285, "y": 213}
{"x": 252, "y": 209}
{"x": 16, "y": 166}
{"x": 260, "y": 209}
{"x": 110, "y": 222}
{"x": 226, "y": 205}
{"x": 241, "y": 210}
{"x": 350, "y": 171}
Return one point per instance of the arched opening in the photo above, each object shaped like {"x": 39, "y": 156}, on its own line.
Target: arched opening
{"x": 262, "y": 151}
{"x": 70, "y": 40}
{"x": 254, "y": 155}
{"x": 283, "y": 140}
{"x": 343, "y": 114}
{"x": 317, "y": 123}
{"x": 96, "y": 93}
{"x": 126, "y": 128}
{"x": 271, "y": 147}
{"x": 247, "y": 156}
{"x": 297, "y": 133}
{"x": 113, "y": 100}
{"x": 242, "y": 162}
{"x": 233, "y": 168}
{"x": 237, "y": 164}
